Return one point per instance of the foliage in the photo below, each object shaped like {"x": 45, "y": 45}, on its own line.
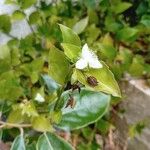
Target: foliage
{"x": 43, "y": 91}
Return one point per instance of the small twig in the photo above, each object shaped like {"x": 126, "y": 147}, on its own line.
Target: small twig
{"x": 21, "y": 131}
{"x": 3, "y": 124}
{"x": 111, "y": 140}
{"x": 32, "y": 30}
{"x": 92, "y": 135}
{"x": 13, "y": 125}
{"x": 75, "y": 140}
{"x": 11, "y": 36}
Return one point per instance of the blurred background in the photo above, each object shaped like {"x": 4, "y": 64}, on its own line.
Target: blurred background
{"x": 119, "y": 30}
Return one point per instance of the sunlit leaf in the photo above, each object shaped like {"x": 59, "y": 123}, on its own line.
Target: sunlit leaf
{"x": 5, "y": 58}
{"x": 137, "y": 66}
{"x": 27, "y": 3}
{"x": 5, "y": 23}
{"x": 34, "y": 17}
{"x": 41, "y": 123}
{"x": 69, "y": 36}
{"x": 10, "y": 87}
{"x": 71, "y": 51}
{"x": 121, "y": 7}
{"x": 81, "y": 25}
{"x": 18, "y": 15}
{"x": 104, "y": 77}
{"x": 15, "y": 116}
{"x": 59, "y": 65}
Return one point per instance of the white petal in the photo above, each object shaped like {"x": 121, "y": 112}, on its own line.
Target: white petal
{"x": 95, "y": 64}
{"x": 85, "y": 47}
{"x": 81, "y": 64}
{"x": 39, "y": 98}
{"x": 86, "y": 54}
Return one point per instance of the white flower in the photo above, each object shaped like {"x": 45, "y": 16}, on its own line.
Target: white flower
{"x": 88, "y": 58}
{"x": 39, "y": 98}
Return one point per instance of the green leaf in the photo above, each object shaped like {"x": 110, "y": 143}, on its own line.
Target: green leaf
{"x": 107, "y": 51}
{"x": 10, "y": 87}
{"x": 18, "y": 15}
{"x": 26, "y": 3}
{"x": 50, "y": 83}
{"x": 103, "y": 126}
{"x": 71, "y": 51}
{"x": 105, "y": 78}
{"x": 111, "y": 24}
{"x": 142, "y": 8}
{"x": 32, "y": 69}
{"x": 15, "y": 116}
{"x": 4, "y": 52}
{"x": 34, "y": 17}
{"x": 145, "y": 20}
{"x": 15, "y": 57}
{"x": 107, "y": 40}
{"x": 10, "y": 2}
{"x": 93, "y": 17}
{"x": 87, "y": 132}
{"x": 28, "y": 108}
{"x": 92, "y": 33}
{"x": 127, "y": 34}
{"x": 80, "y": 26}
{"x": 106, "y": 48}
{"x": 137, "y": 66}
{"x": 90, "y": 106}
{"x": 90, "y": 4}
{"x": 69, "y": 36}
{"x": 31, "y": 146}
{"x": 59, "y": 65}
{"x": 42, "y": 124}
{"x": 49, "y": 141}
{"x": 5, "y": 58}
{"x": 56, "y": 116}
{"x": 121, "y": 7}
{"x": 125, "y": 57}
{"x": 5, "y": 23}
{"x": 18, "y": 143}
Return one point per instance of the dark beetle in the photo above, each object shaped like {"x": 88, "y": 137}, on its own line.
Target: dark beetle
{"x": 71, "y": 102}
{"x": 76, "y": 87}
{"x": 92, "y": 81}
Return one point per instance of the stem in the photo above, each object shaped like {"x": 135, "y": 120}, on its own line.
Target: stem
{"x": 30, "y": 26}
{"x": 59, "y": 97}
{"x": 19, "y": 126}
{"x": 21, "y": 131}
{"x": 62, "y": 89}
{"x": 13, "y": 125}
{"x": 32, "y": 30}
{"x": 11, "y": 36}
{"x": 2, "y": 126}
{"x": 92, "y": 135}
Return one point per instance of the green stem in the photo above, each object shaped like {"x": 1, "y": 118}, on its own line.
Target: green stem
{"x": 11, "y": 36}
{"x": 4, "y": 124}
{"x": 62, "y": 89}
{"x": 92, "y": 135}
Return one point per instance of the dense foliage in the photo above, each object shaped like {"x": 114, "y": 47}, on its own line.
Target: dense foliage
{"x": 43, "y": 90}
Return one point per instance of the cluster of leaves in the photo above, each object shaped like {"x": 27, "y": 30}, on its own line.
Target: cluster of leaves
{"x": 41, "y": 90}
